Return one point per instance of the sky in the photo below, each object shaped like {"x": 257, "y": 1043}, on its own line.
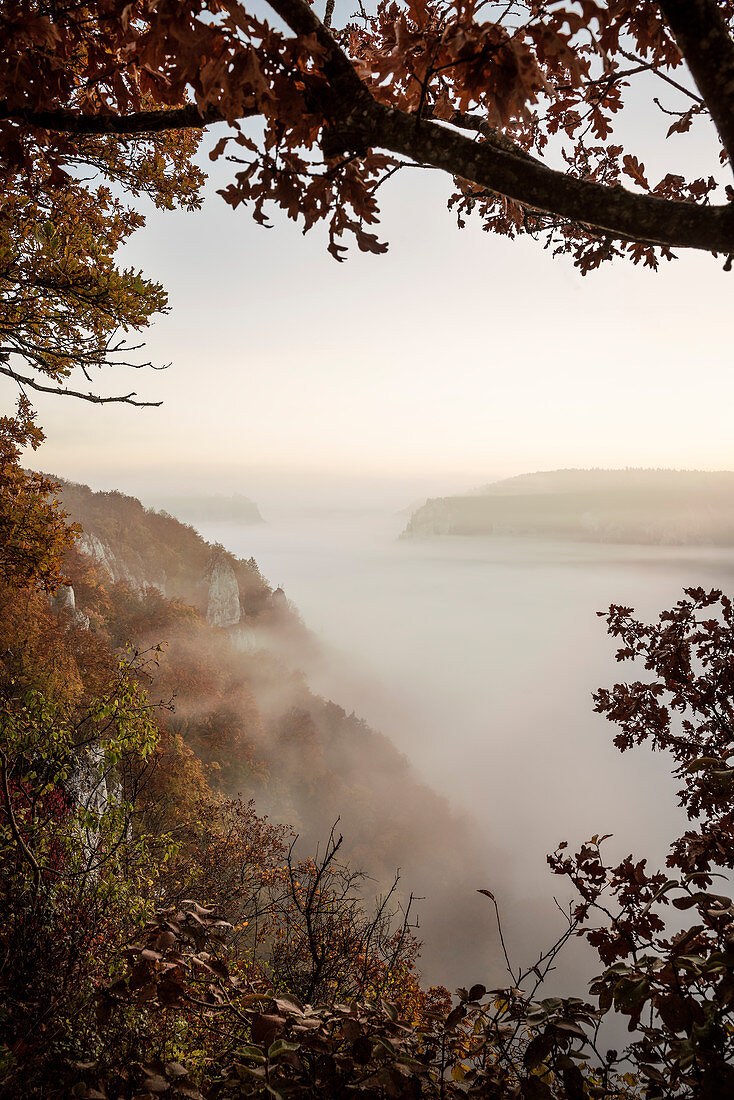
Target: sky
{"x": 456, "y": 358}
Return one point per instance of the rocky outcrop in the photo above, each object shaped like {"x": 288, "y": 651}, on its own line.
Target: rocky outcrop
{"x": 129, "y": 570}
{"x": 93, "y": 785}
{"x": 279, "y": 600}
{"x": 63, "y": 602}
{"x": 89, "y": 784}
{"x": 219, "y": 596}
{"x": 223, "y": 604}
{"x": 98, "y": 551}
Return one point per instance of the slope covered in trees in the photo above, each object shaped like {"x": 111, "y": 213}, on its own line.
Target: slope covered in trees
{"x": 673, "y": 507}
{"x": 148, "y": 548}
{"x": 243, "y": 706}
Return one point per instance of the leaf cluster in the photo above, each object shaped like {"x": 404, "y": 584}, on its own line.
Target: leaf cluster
{"x": 517, "y": 102}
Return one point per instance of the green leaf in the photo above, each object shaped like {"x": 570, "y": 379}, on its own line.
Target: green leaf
{"x": 253, "y": 1054}
{"x": 281, "y": 1047}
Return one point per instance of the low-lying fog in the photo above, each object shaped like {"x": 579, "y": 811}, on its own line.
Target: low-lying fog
{"x": 478, "y": 658}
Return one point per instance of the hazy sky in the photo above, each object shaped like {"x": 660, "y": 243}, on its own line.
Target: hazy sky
{"x": 456, "y": 357}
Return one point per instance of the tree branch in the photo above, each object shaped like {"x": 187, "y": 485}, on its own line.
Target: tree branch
{"x": 303, "y": 21}
{"x": 702, "y": 35}
{"x": 22, "y": 846}
{"x": 126, "y": 399}
{"x": 613, "y": 210}
{"x": 143, "y": 122}
{"x": 354, "y": 121}
{"x": 646, "y": 66}
{"x": 465, "y": 121}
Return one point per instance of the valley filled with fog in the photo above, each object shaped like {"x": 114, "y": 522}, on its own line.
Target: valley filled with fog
{"x": 478, "y": 657}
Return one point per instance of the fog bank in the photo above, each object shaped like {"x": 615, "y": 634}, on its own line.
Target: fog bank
{"x": 478, "y": 657}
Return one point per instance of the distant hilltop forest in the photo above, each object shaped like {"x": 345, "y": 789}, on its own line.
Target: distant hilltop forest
{"x": 666, "y": 507}
{"x": 192, "y": 508}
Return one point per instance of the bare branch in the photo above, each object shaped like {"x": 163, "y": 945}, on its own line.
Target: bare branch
{"x": 658, "y": 72}
{"x": 126, "y": 399}
{"x": 508, "y": 964}
{"x": 22, "y": 846}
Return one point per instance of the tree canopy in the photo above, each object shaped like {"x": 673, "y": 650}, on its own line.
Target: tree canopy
{"x": 516, "y": 101}
{"x": 67, "y": 207}
{"x": 34, "y": 534}
{"x": 521, "y": 103}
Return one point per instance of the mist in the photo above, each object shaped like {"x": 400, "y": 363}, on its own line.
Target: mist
{"x": 477, "y": 657}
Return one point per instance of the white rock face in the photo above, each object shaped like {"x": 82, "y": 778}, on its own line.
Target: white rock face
{"x": 93, "y": 786}
{"x": 64, "y": 600}
{"x": 223, "y": 606}
{"x": 98, "y": 551}
{"x": 279, "y": 599}
{"x": 87, "y": 783}
{"x": 129, "y": 571}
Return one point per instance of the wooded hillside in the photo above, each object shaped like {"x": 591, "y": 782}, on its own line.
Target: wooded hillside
{"x": 675, "y": 507}
{"x": 243, "y": 705}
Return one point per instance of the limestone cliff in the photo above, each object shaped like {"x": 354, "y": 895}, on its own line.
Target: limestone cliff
{"x": 221, "y": 594}
{"x": 223, "y": 603}
{"x": 63, "y": 601}
{"x": 128, "y": 569}
{"x": 142, "y": 549}
{"x": 90, "y": 783}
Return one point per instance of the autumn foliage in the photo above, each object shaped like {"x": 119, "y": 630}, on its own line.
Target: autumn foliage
{"x": 106, "y": 814}
{"x": 160, "y": 937}
{"x": 34, "y": 534}
{"x": 522, "y": 105}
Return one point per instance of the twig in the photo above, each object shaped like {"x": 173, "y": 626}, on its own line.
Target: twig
{"x": 25, "y": 850}
{"x": 510, "y": 971}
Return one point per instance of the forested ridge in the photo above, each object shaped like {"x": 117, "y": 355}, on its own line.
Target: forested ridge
{"x": 154, "y": 549}
{"x": 636, "y": 506}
